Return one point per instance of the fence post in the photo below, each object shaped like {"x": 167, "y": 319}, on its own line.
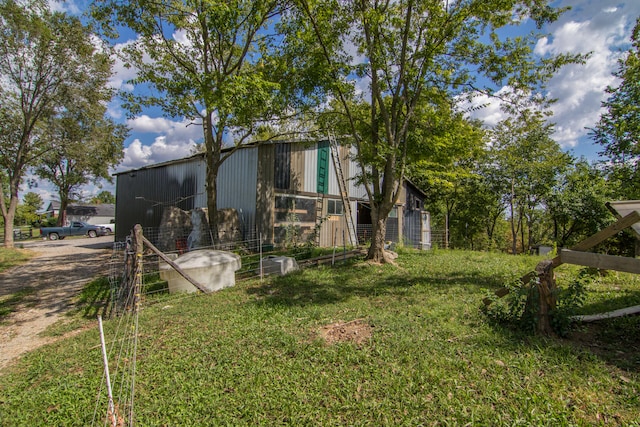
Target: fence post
{"x": 546, "y": 295}
{"x": 139, "y": 249}
{"x": 260, "y": 252}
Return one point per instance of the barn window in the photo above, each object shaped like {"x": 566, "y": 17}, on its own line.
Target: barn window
{"x": 418, "y": 204}
{"x": 335, "y": 207}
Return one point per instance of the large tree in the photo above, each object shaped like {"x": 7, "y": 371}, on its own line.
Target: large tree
{"x": 412, "y": 54}
{"x": 577, "y": 205}
{"x": 618, "y": 130}
{"x": 208, "y": 61}
{"x": 103, "y": 197}
{"x": 43, "y": 54}
{"x": 86, "y": 143}
{"x": 27, "y": 210}
{"x": 531, "y": 162}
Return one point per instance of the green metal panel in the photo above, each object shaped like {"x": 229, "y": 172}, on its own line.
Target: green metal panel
{"x": 323, "y": 167}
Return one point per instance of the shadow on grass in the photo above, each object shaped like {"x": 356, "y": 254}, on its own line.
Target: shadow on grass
{"x": 12, "y": 302}
{"x": 628, "y": 299}
{"x": 95, "y": 299}
{"x": 615, "y": 341}
{"x": 327, "y": 285}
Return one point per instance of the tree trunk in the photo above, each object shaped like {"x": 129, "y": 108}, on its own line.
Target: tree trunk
{"x": 8, "y": 221}
{"x": 376, "y": 250}
{"x": 213, "y": 163}
{"x": 62, "y": 214}
{"x": 514, "y": 232}
{"x": 546, "y": 295}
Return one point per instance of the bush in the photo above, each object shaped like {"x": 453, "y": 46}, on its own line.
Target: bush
{"x": 513, "y": 311}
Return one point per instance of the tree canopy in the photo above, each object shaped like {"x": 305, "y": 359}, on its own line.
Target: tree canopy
{"x": 205, "y": 61}
{"x": 44, "y": 56}
{"x": 413, "y": 55}
{"x": 618, "y": 130}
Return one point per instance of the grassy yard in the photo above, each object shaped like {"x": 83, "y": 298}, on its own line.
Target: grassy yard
{"x": 356, "y": 345}
{"x": 11, "y": 258}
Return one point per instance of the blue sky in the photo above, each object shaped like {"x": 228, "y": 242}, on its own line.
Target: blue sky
{"x": 602, "y": 27}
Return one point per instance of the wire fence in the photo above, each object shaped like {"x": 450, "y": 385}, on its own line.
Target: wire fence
{"x": 138, "y": 276}
{"x": 256, "y": 260}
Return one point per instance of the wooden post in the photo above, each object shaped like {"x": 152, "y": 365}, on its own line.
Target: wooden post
{"x": 139, "y": 250}
{"x": 546, "y": 303}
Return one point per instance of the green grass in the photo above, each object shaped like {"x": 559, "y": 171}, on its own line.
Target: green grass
{"x": 13, "y": 257}
{"x": 9, "y": 303}
{"x": 253, "y": 355}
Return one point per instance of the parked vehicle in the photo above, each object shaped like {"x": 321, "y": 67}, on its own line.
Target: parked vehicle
{"x": 111, "y": 227}
{"x": 76, "y": 228}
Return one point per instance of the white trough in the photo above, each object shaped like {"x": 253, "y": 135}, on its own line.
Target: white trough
{"x": 278, "y": 265}
{"x": 212, "y": 269}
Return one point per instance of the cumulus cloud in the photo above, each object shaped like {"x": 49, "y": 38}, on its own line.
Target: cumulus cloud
{"x": 173, "y": 140}
{"x": 122, "y": 73}
{"x": 137, "y": 155}
{"x": 599, "y": 28}
{"x": 67, "y": 6}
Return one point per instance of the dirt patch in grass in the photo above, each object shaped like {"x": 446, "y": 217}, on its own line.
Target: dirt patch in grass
{"x": 358, "y": 331}
{"x": 616, "y": 341}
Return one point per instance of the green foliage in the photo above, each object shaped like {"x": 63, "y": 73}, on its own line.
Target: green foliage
{"x": 46, "y": 59}
{"x": 576, "y": 206}
{"x": 418, "y": 56}
{"x": 512, "y": 310}
{"x": 619, "y": 127}
{"x": 103, "y": 197}
{"x": 26, "y": 211}
{"x": 570, "y": 299}
{"x": 529, "y": 163}
{"x": 204, "y": 61}
{"x": 515, "y": 309}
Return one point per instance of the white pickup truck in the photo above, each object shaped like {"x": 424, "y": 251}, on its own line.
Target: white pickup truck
{"x": 111, "y": 228}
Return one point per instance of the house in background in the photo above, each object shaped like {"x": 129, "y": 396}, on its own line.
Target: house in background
{"x": 52, "y": 210}
{"x": 276, "y": 190}
{"x": 92, "y": 214}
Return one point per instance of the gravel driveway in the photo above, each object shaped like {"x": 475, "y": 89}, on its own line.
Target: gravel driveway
{"x": 57, "y": 274}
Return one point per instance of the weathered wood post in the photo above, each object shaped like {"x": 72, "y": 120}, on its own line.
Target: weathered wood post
{"x": 546, "y": 286}
{"x": 138, "y": 247}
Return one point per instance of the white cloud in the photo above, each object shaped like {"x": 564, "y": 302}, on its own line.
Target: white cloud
{"x": 122, "y": 73}
{"x": 137, "y": 155}
{"x": 173, "y": 140}
{"x": 601, "y": 28}
{"x": 68, "y": 6}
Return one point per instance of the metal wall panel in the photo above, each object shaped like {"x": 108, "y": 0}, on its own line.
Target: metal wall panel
{"x": 355, "y": 190}
{"x": 143, "y": 194}
{"x": 237, "y": 181}
{"x": 311, "y": 169}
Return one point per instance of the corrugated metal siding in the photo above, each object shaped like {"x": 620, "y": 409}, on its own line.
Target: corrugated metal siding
{"x": 141, "y": 195}
{"x": 237, "y": 182}
{"x": 355, "y": 190}
{"x": 297, "y": 167}
{"x": 310, "y": 169}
